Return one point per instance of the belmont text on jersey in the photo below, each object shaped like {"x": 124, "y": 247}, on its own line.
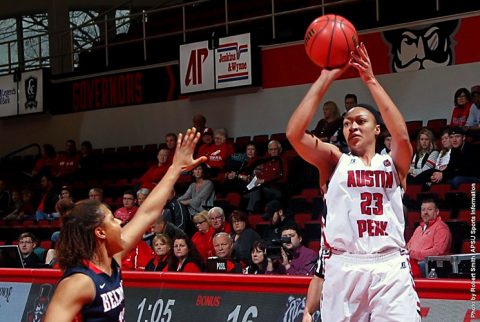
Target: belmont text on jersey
{"x": 370, "y": 178}
{"x": 112, "y": 299}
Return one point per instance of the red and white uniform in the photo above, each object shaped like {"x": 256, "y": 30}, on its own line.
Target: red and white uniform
{"x": 365, "y": 264}
{"x": 364, "y": 206}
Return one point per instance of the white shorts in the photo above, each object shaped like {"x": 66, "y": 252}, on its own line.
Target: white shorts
{"x": 369, "y": 288}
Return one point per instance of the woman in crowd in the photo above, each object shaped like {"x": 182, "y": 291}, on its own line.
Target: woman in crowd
{"x": 186, "y": 257}
{"x": 203, "y": 238}
{"x": 243, "y": 236}
{"x": 424, "y": 159}
{"x": 200, "y": 193}
{"x": 462, "y": 104}
{"x": 258, "y": 258}
{"x": 162, "y": 246}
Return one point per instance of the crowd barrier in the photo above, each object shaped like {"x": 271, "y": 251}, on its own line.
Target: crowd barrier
{"x": 184, "y": 297}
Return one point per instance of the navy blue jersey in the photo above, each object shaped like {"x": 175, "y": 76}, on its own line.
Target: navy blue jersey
{"x": 109, "y": 302}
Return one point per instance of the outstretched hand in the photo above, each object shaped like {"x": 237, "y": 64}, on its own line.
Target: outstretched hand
{"x": 361, "y": 61}
{"x": 333, "y": 74}
{"x": 183, "y": 157}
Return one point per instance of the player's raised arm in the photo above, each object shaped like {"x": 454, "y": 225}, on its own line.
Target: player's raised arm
{"x": 322, "y": 155}
{"x": 401, "y": 150}
{"x": 152, "y": 207}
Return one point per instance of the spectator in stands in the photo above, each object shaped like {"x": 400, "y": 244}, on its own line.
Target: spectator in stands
{"x": 269, "y": 180}
{"x": 186, "y": 257}
{"x": 26, "y": 244}
{"x": 138, "y": 258}
{"x": 45, "y": 162}
{"x": 387, "y": 143}
{"x": 295, "y": 259}
{"x": 219, "y": 153}
{"x": 87, "y": 164}
{"x": 475, "y": 92}
{"x": 258, "y": 259}
{"x": 350, "y": 101}
{"x": 206, "y": 144}
{"x": 203, "y": 238}
{"x": 424, "y": 158}
{"x": 461, "y": 167}
{"x": 161, "y": 226}
{"x": 473, "y": 120}
{"x": 217, "y": 219}
{"x": 329, "y": 124}
{"x": 48, "y": 200}
{"x": 65, "y": 193}
{"x": 4, "y": 198}
{"x": 142, "y": 194}
{"x": 126, "y": 213}
{"x": 223, "y": 245}
{"x": 278, "y": 216}
{"x": 156, "y": 172}
{"x": 443, "y": 157}
{"x": 96, "y": 194}
{"x": 67, "y": 163}
{"x": 199, "y": 122}
{"x": 432, "y": 237}
{"x": 170, "y": 144}
{"x": 177, "y": 214}
{"x": 27, "y": 210}
{"x": 240, "y": 169}
{"x": 62, "y": 207}
{"x": 162, "y": 246}
{"x": 243, "y": 236}
{"x": 462, "y": 104}
{"x": 200, "y": 194}
{"x": 15, "y": 205}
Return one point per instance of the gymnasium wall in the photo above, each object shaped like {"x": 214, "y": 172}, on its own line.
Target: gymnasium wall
{"x": 286, "y": 76}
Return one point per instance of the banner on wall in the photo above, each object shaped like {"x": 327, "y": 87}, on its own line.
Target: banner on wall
{"x": 196, "y": 67}
{"x": 233, "y": 62}
{"x": 8, "y": 96}
{"x": 228, "y": 66}
{"x": 136, "y": 87}
{"x": 21, "y": 97}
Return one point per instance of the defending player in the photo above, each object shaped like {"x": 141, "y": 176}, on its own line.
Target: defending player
{"x": 92, "y": 244}
{"x": 364, "y": 263}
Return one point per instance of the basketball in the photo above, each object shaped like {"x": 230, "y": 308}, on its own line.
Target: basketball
{"x": 329, "y": 40}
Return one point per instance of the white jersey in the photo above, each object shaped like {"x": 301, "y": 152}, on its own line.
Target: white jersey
{"x": 364, "y": 207}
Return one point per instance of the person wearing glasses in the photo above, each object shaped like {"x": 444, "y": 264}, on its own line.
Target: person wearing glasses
{"x": 27, "y": 243}
{"x": 461, "y": 109}
{"x": 217, "y": 219}
{"x": 126, "y": 213}
{"x": 203, "y": 238}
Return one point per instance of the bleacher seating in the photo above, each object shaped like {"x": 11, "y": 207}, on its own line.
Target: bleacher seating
{"x": 122, "y": 166}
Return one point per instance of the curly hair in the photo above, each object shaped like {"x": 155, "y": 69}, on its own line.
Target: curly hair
{"x": 77, "y": 243}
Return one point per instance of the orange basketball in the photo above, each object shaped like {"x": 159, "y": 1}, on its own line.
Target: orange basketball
{"x": 329, "y": 40}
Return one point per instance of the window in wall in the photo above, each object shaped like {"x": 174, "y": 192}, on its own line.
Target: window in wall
{"x": 35, "y": 40}
{"x": 8, "y": 43}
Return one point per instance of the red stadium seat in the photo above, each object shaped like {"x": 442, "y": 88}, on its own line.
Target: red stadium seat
{"x": 302, "y": 218}
{"x": 413, "y": 127}
{"x": 254, "y": 219}
{"x": 314, "y": 244}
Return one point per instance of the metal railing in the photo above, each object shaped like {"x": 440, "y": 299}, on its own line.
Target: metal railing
{"x": 157, "y": 25}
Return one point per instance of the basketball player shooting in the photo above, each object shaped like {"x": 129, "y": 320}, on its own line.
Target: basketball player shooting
{"x": 364, "y": 274}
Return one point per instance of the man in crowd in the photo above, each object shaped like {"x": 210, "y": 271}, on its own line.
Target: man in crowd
{"x": 296, "y": 259}
{"x": 278, "y": 216}
{"x": 126, "y": 213}
{"x": 27, "y": 243}
{"x": 225, "y": 261}
{"x": 431, "y": 238}
{"x": 217, "y": 218}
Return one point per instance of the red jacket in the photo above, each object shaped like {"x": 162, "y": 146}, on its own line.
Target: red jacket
{"x": 434, "y": 241}
{"x": 153, "y": 176}
{"x": 460, "y": 115}
{"x": 204, "y": 242}
{"x": 138, "y": 257}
